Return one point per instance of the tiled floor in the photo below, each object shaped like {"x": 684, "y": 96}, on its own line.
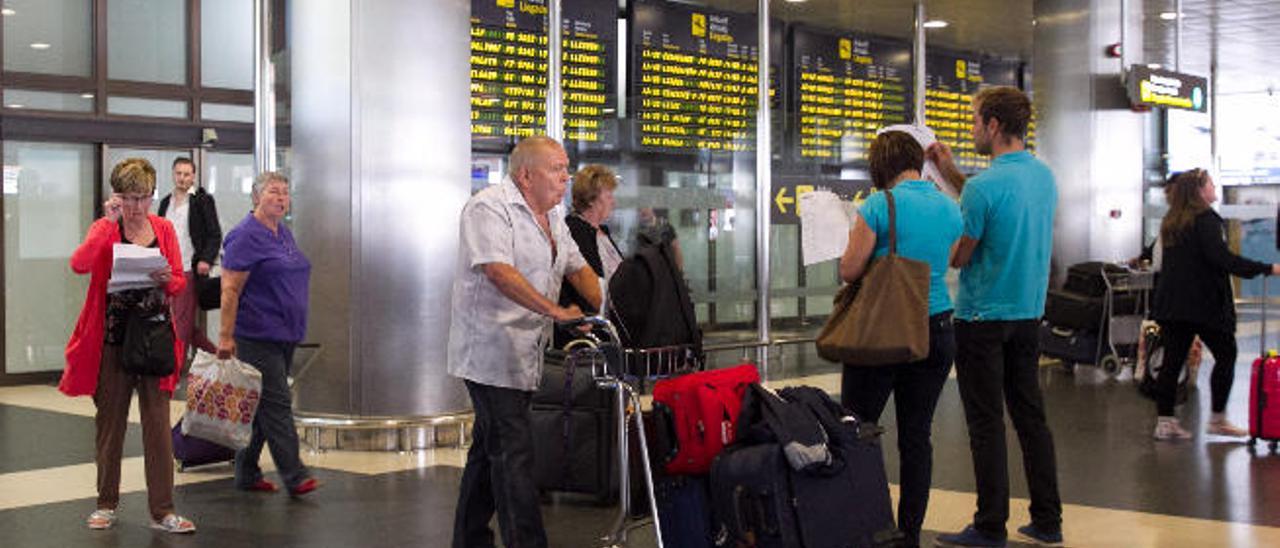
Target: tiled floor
{"x": 1120, "y": 488}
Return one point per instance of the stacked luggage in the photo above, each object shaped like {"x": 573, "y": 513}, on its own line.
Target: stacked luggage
{"x": 1077, "y": 317}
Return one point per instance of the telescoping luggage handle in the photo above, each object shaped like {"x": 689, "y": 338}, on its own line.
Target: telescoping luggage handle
{"x": 1262, "y": 336}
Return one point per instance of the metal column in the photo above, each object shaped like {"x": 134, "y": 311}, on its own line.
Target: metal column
{"x": 555, "y": 91}
{"x": 264, "y": 91}
{"x": 764, "y": 186}
{"x": 918, "y": 61}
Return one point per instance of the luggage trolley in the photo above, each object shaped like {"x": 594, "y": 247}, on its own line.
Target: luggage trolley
{"x": 1124, "y": 329}
{"x": 625, "y": 372}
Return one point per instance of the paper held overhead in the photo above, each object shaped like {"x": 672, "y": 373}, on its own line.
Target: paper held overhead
{"x": 926, "y": 138}
{"x": 825, "y": 221}
{"x": 132, "y": 266}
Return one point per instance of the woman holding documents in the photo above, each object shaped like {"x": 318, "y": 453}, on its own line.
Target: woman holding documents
{"x": 134, "y": 268}
{"x": 264, "y": 317}
{"x": 928, "y": 225}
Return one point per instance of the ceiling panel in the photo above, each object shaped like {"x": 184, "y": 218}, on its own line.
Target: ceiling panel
{"x": 1241, "y": 34}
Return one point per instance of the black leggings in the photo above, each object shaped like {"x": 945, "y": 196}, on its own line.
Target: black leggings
{"x": 1178, "y": 337}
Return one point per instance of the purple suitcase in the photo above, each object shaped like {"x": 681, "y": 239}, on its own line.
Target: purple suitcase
{"x": 191, "y": 451}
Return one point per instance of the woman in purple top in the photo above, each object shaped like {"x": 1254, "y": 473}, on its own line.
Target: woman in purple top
{"x": 264, "y": 317}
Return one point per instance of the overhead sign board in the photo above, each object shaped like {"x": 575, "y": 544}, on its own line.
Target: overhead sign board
{"x": 1165, "y": 88}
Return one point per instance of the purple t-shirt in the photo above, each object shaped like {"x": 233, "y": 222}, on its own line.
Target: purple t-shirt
{"x": 273, "y": 303}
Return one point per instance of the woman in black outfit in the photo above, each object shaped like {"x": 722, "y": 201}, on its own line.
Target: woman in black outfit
{"x": 1194, "y": 297}
{"x": 593, "y": 187}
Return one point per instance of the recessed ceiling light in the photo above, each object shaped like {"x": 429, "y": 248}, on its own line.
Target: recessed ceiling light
{"x": 40, "y": 45}
{"x": 1168, "y": 15}
{"x": 795, "y": 1}
{"x": 935, "y": 24}
{"x": 14, "y": 105}
{"x": 8, "y": 11}
{"x": 86, "y": 96}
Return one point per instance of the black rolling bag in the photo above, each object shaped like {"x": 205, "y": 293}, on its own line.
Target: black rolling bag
{"x": 766, "y": 497}
{"x": 574, "y": 430}
{"x": 1069, "y": 345}
{"x": 1086, "y": 278}
{"x": 1075, "y": 310}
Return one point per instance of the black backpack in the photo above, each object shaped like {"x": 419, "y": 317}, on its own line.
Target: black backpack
{"x": 649, "y": 301}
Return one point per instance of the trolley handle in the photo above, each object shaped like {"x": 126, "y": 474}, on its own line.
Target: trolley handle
{"x": 1262, "y": 335}
{"x": 594, "y": 322}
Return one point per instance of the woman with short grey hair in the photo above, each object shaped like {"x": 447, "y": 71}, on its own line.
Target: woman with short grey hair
{"x": 265, "y": 280}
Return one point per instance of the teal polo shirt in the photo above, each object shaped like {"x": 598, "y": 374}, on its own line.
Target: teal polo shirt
{"x": 1009, "y": 210}
{"x": 928, "y": 224}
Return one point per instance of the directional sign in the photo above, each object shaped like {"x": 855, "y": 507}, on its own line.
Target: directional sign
{"x": 1165, "y": 88}
{"x": 787, "y": 192}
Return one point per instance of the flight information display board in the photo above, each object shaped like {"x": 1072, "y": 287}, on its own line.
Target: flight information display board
{"x": 847, "y": 86}
{"x": 951, "y": 80}
{"x": 509, "y": 71}
{"x": 693, "y": 78}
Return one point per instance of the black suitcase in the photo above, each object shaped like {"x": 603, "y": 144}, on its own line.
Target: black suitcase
{"x": 684, "y": 509}
{"x": 574, "y": 433}
{"x": 760, "y": 499}
{"x": 1074, "y": 310}
{"x": 1069, "y": 345}
{"x": 1086, "y": 278}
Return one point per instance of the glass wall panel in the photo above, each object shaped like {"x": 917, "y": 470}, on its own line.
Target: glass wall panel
{"x": 156, "y": 108}
{"x": 48, "y": 100}
{"x": 226, "y": 113}
{"x": 49, "y": 37}
{"x": 226, "y": 44}
{"x": 48, "y": 206}
{"x": 147, "y": 40}
{"x": 161, "y": 160}
{"x": 229, "y": 178}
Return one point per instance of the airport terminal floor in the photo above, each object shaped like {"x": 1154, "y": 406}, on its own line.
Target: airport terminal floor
{"x": 1119, "y": 487}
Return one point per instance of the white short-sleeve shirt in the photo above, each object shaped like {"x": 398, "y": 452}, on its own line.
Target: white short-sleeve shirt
{"x": 492, "y": 340}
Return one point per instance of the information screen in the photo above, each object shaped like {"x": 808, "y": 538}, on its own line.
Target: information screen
{"x": 848, "y": 86}
{"x": 693, "y": 78}
{"x": 509, "y": 71}
{"x": 951, "y": 80}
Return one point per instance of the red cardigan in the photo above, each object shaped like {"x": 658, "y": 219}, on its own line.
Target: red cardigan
{"x": 94, "y": 256}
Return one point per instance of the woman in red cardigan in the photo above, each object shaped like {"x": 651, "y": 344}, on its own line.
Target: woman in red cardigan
{"x": 95, "y": 349}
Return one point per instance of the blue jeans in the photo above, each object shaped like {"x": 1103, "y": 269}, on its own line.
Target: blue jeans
{"x": 273, "y": 424}
{"x": 915, "y": 387}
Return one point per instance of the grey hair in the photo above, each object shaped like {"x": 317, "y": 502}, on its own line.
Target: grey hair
{"x": 523, "y": 154}
{"x": 260, "y": 182}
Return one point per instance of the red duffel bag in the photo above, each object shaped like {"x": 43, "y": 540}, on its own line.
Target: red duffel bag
{"x": 703, "y": 410}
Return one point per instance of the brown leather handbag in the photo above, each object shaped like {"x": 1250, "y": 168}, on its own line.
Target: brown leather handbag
{"x": 886, "y": 321}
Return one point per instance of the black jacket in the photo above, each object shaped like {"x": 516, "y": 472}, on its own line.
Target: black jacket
{"x": 585, "y": 236}
{"x": 202, "y": 225}
{"x": 1195, "y": 284}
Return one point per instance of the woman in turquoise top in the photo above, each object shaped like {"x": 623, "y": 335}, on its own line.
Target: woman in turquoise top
{"x": 929, "y": 224}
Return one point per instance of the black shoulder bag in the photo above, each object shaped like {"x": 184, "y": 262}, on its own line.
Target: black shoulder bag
{"x": 148, "y": 344}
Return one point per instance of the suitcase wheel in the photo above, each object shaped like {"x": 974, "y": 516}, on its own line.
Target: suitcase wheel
{"x": 1111, "y": 364}
{"x": 1253, "y": 442}
{"x": 1272, "y": 446}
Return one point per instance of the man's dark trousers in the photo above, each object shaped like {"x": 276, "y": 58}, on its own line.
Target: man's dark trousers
{"x": 499, "y": 473}
{"x": 997, "y": 364}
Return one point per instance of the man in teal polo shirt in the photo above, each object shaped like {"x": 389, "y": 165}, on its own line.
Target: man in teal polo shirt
{"x": 1004, "y": 260}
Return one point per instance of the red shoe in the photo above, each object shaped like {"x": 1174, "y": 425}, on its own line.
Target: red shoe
{"x": 307, "y": 486}
{"x": 263, "y": 486}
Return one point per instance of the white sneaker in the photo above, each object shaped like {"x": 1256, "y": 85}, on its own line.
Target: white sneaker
{"x": 1168, "y": 429}
{"x": 1220, "y": 427}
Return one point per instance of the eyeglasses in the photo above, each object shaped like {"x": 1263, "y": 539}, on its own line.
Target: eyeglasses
{"x": 134, "y": 199}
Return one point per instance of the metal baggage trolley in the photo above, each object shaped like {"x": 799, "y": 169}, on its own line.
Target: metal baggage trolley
{"x": 1119, "y": 348}
{"x": 626, "y": 372}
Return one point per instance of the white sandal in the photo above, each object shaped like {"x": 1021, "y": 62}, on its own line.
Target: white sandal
{"x": 101, "y": 518}
{"x": 174, "y": 523}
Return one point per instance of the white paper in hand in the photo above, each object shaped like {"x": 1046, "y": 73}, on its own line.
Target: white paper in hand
{"x": 824, "y": 226}
{"x": 926, "y": 138}
{"x": 132, "y": 265}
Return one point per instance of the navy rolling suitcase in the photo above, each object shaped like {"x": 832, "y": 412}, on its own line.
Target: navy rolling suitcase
{"x": 191, "y": 451}
{"x": 684, "y": 508}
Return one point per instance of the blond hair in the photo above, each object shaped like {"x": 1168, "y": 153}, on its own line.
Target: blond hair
{"x": 589, "y": 182}
{"x": 133, "y": 175}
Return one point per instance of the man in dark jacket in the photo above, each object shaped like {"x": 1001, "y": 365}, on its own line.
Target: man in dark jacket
{"x": 195, "y": 219}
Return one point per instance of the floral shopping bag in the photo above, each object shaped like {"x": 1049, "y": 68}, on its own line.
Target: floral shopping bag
{"x": 222, "y": 396}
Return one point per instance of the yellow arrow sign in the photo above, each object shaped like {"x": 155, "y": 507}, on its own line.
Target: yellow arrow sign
{"x": 781, "y": 200}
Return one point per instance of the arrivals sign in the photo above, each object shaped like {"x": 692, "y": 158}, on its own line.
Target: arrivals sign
{"x": 1165, "y": 88}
